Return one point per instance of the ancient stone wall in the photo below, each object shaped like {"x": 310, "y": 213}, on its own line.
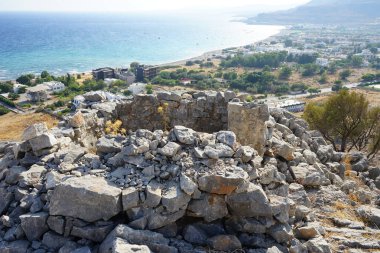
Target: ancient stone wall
{"x": 201, "y": 111}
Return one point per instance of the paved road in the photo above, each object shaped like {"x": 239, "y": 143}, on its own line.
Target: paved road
{"x": 15, "y": 110}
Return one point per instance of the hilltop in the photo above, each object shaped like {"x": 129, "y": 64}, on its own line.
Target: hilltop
{"x": 325, "y": 12}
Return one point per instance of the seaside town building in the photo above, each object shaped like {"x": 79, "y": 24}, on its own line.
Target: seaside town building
{"x": 146, "y": 72}
{"x": 40, "y": 92}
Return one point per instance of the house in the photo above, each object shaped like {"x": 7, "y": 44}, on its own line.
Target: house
{"x": 146, "y": 72}
{"x": 78, "y": 101}
{"x": 54, "y": 86}
{"x": 37, "y": 93}
{"x": 40, "y": 92}
{"x": 126, "y": 75}
{"x": 186, "y": 81}
{"x": 292, "y": 105}
{"x": 103, "y": 73}
{"x": 323, "y": 62}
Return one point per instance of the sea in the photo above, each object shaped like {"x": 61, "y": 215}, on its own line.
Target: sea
{"x": 79, "y": 42}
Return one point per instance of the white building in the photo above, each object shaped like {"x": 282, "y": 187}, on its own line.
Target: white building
{"x": 323, "y": 62}
{"x": 54, "y": 86}
{"x": 292, "y": 105}
{"x": 78, "y": 101}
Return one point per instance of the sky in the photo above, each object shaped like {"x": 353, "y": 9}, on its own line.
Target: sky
{"x": 138, "y": 5}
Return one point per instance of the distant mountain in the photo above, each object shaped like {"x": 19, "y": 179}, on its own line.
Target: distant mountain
{"x": 325, "y": 12}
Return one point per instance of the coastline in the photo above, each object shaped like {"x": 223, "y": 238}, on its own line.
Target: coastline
{"x": 212, "y": 53}
{"x": 182, "y": 62}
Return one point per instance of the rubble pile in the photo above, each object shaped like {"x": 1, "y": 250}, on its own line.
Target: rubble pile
{"x": 76, "y": 189}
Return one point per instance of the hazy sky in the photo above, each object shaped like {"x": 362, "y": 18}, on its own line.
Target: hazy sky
{"x": 135, "y": 5}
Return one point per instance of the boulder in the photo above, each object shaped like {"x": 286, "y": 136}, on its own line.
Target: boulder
{"x": 370, "y": 214}
{"x": 54, "y": 241}
{"x": 174, "y": 199}
{"x": 226, "y": 137}
{"x": 105, "y": 145}
{"x": 309, "y": 176}
{"x": 170, "y": 149}
{"x": 318, "y": 245}
{"x": 94, "y": 96}
{"x": 195, "y": 235}
{"x": 283, "y": 149}
{"x": 225, "y": 243}
{"x": 34, "y": 225}
{"x": 122, "y": 246}
{"x": 32, "y": 176}
{"x": 5, "y": 200}
{"x": 42, "y": 142}
{"x": 91, "y": 232}
{"x": 187, "y": 185}
{"x": 130, "y": 198}
{"x": 20, "y": 246}
{"x": 210, "y": 207}
{"x": 140, "y": 237}
{"x": 251, "y": 203}
{"x": 34, "y": 130}
{"x": 184, "y": 135}
{"x": 153, "y": 194}
{"x": 88, "y": 198}
{"x": 226, "y": 183}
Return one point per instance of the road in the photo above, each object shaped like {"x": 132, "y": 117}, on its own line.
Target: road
{"x": 272, "y": 99}
{"x": 15, "y": 110}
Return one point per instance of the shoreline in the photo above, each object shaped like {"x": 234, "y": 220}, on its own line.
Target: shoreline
{"x": 181, "y": 62}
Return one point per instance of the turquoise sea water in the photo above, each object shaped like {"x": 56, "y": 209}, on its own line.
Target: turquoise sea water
{"x": 68, "y": 42}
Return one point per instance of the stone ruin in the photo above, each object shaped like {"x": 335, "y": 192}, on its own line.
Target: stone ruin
{"x": 226, "y": 176}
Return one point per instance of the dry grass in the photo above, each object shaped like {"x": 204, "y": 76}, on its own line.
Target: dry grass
{"x": 344, "y": 211}
{"x": 12, "y": 125}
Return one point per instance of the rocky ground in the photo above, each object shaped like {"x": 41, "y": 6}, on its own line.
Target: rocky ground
{"x": 184, "y": 191}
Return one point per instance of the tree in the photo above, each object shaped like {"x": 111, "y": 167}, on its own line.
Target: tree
{"x": 344, "y": 120}
{"x": 310, "y": 69}
{"x": 356, "y": 61}
{"x": 13, "y": 96}
{"x": 25, "y": 79}
{"x": 6, "y": 87}
{"x": 323, "y": 78}
{"x": 314, "y": 91}
{"x": 285, "y": 73}
{"x": 45, "y": 74}
{"x": 344, "y": 74}
{"x": 368, "y": 77}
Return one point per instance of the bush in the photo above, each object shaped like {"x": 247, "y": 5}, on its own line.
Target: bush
{"x": 3, "y": 110}
{"x": 13, "y": 96}
{"x": 7, "y": 101}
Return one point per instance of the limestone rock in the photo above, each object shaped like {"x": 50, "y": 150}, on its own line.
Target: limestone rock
{"x": 42, "y": 142}
{"x": 130, "y": 198}
{"x": 170, "y": 149}
{"x": 318, "y": 245}
{"x": 184, "y": 135}
{"x": 210, "y": 207}
{"x": 224, "y": 243}
{"x": 251, "y": 203}
{"x": 34, "y": 130}
{"x": 122, "y": 246}
{"x": 224, "y": 184}
{"x": 174, "y": 198}
{"x": 34, "y": 225}
{"x": 88, "y": 198}
{"x": 226, "y": 137}
{"x": 187, "y": 185}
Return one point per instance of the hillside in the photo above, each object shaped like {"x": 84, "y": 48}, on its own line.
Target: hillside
{"x": 325, "y": 12}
